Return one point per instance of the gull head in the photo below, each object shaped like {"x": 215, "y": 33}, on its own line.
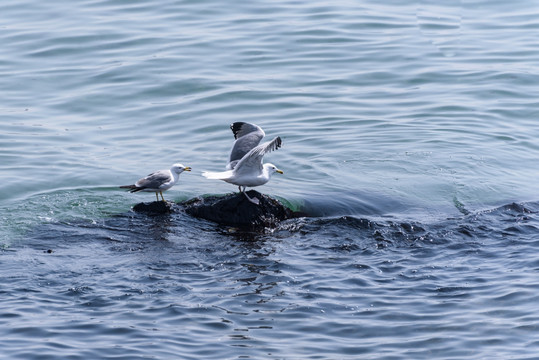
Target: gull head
{"x": 270, "y": 168}
{"x": 179, "y": 168}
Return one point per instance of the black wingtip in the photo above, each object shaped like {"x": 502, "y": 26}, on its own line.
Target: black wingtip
{"x": 278, "y": 142}
{"x": 236, "y": 128}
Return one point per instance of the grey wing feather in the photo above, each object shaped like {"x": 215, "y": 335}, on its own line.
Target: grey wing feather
{"x": 254, "y": 157}
{"x": 247, "y": 137}
{"x": 154, "y": 180}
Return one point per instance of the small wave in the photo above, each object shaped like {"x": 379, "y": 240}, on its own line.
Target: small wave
{"x": 510, "y": 219}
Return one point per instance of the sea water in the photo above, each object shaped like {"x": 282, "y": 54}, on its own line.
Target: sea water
{"x": 409, "y": 139}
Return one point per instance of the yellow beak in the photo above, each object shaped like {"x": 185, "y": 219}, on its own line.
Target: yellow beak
{"x": 279, "y": 171}
{"x": 187, "y": 168}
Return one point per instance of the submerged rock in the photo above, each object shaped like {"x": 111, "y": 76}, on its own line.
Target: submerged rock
{"x": 236, "y": 210}
{"x": 231, "y": 209}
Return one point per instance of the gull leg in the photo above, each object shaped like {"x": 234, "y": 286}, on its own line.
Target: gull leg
{"x": 156, "y": 197}
{"x": 162, "y": 196}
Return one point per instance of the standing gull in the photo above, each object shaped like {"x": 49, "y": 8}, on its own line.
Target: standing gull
{"x": 158, "y": 181}
{"x": 245, "y": 167}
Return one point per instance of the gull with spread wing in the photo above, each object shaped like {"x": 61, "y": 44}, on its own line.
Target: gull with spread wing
{"x": 245, "y": 167}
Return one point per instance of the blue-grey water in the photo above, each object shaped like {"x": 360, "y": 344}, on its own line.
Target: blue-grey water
{"x": 409, "y": 138}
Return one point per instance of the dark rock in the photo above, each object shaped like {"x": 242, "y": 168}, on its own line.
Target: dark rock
{"x": 236, "y": 210}
{"x": 231, "y": 209}
{"x": 154, "y": 208}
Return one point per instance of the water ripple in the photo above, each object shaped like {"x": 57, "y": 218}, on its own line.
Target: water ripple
{"x": 406, "y": 128}
{"x": 426, "y": 281}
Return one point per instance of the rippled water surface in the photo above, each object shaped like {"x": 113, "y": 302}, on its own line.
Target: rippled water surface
{"x": 409, "y": 138}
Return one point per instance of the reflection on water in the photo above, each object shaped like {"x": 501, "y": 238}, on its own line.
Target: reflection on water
{"x": 441, "y": 24}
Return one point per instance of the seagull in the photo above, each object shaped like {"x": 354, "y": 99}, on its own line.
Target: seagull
{"x": 245, "y": 167}
{"x": 158, "y": 181}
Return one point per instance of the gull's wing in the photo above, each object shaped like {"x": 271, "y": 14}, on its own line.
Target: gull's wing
{"x": 154, "y": 180}
{"x": 253, "y": 159}
{"x": 247, "y": 137}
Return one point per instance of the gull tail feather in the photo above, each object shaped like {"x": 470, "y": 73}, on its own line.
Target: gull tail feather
{"x": 132, "y": 188}
{"x": 217, "y": 175}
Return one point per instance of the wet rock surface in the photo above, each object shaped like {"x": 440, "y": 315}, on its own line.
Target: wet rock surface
{"x": 155, "y": 207}
{"x": 236, "y": 210}
{"x": 231, "y": 209}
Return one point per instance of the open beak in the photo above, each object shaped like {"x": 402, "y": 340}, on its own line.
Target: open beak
{"x": 279, "y": 171}
{"x": 187, "y": 168}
